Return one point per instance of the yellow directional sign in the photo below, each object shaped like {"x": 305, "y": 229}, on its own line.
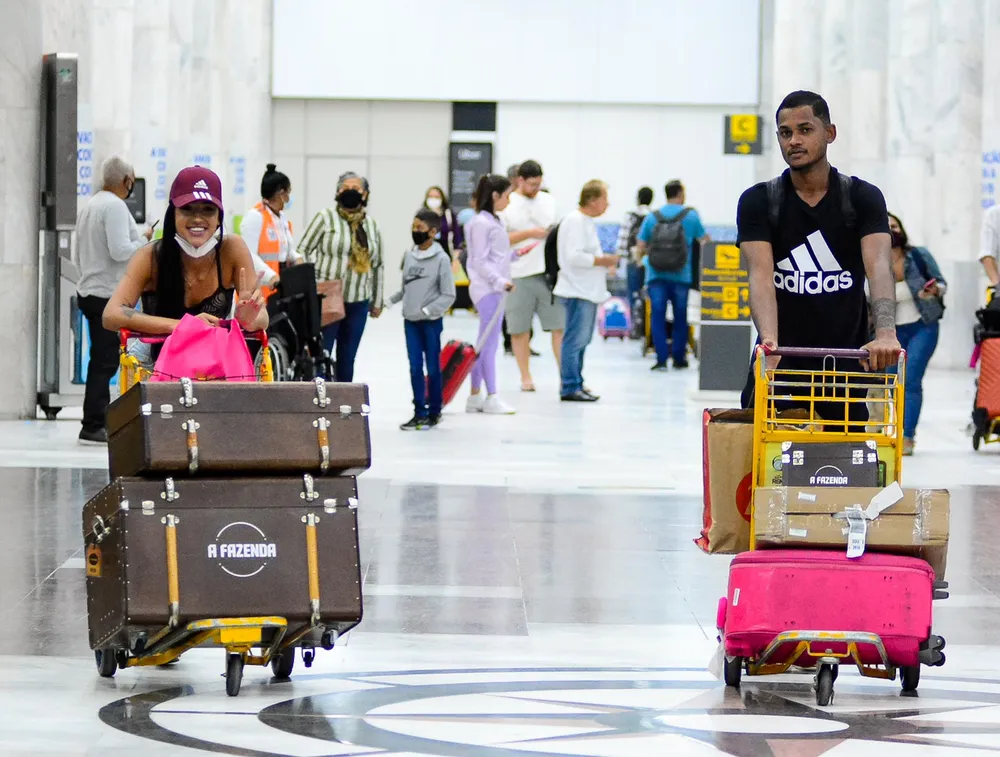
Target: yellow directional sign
{"x": 725, "y": 288}
{"x": 742, "y": 135}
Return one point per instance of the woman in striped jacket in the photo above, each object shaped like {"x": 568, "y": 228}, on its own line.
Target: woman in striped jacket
{"x": 346, "y": 245}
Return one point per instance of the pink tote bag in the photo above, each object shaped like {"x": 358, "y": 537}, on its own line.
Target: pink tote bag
{"x": 205, "y": 353}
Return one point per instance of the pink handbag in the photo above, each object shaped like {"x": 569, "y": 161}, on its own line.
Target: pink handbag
{"x": 205, "y": 353}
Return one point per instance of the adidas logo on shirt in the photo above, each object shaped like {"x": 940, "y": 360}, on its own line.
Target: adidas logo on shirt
{"x": 201, "y": 184}
{"x": 812, "y": 269}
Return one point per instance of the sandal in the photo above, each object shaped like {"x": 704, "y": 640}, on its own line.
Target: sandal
{"x": 527, "y": 387}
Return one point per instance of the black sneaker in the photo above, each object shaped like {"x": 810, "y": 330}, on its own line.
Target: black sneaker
{"x": 415, "y": 424}
{"x": 661, "y": 366}
{"x": 434, "y": 420}
{"x": 680, "y": 365}
{"x": 93, "y": 438}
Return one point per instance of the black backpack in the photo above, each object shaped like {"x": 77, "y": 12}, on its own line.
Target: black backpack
{"x": 552, "y": 257}
{"x": 668, "y": 244}
{"x": 776, "y": 195}
{"x": 633, "y": 232}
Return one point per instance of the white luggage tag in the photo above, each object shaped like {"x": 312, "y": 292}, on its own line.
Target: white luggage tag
{"x": 885, "y": 499}
{"x": 857, "y": 531}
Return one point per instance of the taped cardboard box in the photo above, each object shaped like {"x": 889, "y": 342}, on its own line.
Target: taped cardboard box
{"x": 916, "y": 523}
{"x": 727, "y": 460}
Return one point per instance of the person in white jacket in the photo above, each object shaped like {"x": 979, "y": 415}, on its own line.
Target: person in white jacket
{"x": 267, "y": 231}
{"x": 582, "y": 283}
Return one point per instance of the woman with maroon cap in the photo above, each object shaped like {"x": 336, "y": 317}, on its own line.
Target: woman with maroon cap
{"x": 194, "y": 270}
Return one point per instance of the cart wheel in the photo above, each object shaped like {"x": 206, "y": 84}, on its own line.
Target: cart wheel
{"x": 734, "y": 671}
{"x": 977, "y": 438}
{"x": 328, "y": 641}
{"x": 107, "y": 664}
{"x": 234, "y": 674}
{"x": 824, "y": 685}
{"x": 283, "y": 662}
{"x": 910, "y": 677}
{"x": 50, "y": 412}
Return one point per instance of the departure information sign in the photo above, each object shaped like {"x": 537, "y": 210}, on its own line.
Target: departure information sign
{"x": 725, "y": 286}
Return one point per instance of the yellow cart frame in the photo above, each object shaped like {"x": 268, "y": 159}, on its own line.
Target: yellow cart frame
{"x": 808, "y": 391}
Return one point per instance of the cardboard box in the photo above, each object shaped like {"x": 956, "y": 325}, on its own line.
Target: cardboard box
{"x": 830, "y": 464}
{"x": 727, "y": 458}
{"x": 916, "y": 525}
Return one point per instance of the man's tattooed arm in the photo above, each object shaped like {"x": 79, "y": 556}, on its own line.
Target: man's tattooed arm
{"x": 884, "y": 314}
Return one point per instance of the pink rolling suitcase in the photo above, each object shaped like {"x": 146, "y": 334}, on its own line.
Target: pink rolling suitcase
{"x": 614, "y": 319}
{"x": 815, "y": 608}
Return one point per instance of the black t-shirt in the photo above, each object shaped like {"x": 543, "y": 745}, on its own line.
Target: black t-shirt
{"x": 819, "y": 274}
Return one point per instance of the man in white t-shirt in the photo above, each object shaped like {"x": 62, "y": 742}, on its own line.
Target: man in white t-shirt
{"x": 989, "y": 250}
{"x": 582, "y": 284}
{"x": 528, "y": 217}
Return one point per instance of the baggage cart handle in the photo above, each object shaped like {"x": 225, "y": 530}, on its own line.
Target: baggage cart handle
{"x": 844, "y": 354}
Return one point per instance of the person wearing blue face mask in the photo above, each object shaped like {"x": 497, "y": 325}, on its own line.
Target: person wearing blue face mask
{"x": 267, "y": 230}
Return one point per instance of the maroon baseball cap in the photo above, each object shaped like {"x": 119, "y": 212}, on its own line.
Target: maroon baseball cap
{"x": 196, "y": 184}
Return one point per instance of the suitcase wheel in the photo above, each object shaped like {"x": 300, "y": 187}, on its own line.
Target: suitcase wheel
{"x": 977, "y": 438}
{"x": 824, "y": 684}
{"x": 107, "y": 662}
{"x": 283, "y": 663}
{"x": 234, "y": 674}
{"x": 734, "y": 671}
{"x": 910, "y": 677}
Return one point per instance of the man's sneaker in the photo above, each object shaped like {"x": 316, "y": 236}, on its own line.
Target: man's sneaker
{"x": 93, "y": 438}
{"x": 660, "y": 366}
{"x": 415, "y": 424}
{"x": 475, "y": 403}
{"x": 494, "y": 406}
{"x": 680, "y": 365}
{"x": 434, "y": 420}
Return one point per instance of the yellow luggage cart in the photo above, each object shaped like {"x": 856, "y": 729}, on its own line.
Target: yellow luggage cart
{"x": 237, "y": 635}
{"x": 808, "y": 406}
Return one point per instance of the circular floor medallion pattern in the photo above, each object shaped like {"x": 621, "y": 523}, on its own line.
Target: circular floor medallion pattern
{"x": 563, "y": 712}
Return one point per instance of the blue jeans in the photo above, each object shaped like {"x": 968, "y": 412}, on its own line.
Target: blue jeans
{"x": 346, "y": 335}
{"x": 919, "y": 340}
{"x": 581, "y": 317}
{"x": 423, "y": 343}
{"x": 676, "y": 293}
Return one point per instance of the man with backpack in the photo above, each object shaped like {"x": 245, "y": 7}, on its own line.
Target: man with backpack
{"x": 665, "y": 244}
{"x": 628, "y": 238}
{"x": 811, "y": 238}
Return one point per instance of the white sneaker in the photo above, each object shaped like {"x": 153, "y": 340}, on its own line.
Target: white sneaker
{"x": 475, "y": 403}
{"x": 494, "y": 406}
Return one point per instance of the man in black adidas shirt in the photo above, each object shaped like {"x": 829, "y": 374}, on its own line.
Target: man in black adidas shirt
{"x": 810, "y": 239}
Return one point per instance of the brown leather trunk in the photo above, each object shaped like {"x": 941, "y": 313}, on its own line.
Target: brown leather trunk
{"x": 184, "y": 428}
{"x": 241, "y": 552}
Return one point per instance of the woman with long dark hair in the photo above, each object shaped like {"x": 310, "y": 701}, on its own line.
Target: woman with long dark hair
{"x": 920, "y": 289}
{"x": 194, "y": 269}
{"x": 489, "y": 280}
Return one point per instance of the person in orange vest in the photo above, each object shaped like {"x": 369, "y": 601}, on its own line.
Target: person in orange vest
{"x": 267, "y": 232}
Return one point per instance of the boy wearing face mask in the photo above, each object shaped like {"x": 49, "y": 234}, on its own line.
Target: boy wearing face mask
{"x": 427, "y": 294}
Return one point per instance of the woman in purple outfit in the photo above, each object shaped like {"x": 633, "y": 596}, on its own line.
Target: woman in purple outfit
{"x": 489, "y": 282}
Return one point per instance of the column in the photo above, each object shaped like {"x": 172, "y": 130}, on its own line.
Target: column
{"x": 836, "y": 66}
{"x": 20, "y": 92}
{"x": 954, "y": 193}
{"x": 865, "y": 121}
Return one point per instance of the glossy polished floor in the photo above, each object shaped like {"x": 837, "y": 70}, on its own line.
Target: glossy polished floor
{"x": 531, "y": 587}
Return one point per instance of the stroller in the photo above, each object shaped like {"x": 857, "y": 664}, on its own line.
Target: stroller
{"x": 986, "y": 409}
{"x": 295, "y": 334}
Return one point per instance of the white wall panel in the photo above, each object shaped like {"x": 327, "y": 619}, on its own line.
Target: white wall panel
{"x": 338, "y": 127}
{"x": 571, "y": 51}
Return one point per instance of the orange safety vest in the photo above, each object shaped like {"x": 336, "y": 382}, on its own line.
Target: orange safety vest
{"x": 269, "y": 245}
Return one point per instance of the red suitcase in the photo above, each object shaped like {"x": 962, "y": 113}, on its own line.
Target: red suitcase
{"x": 988, "y": 392}
{"x": 815, "y": 608}
{"x": 457, "y": 359}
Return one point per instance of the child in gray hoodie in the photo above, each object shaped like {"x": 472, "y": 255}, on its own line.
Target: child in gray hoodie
{"x": 427, "y": 294}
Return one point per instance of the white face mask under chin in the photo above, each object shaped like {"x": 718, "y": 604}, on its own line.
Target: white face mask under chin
{"x": 197, "y": 252}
